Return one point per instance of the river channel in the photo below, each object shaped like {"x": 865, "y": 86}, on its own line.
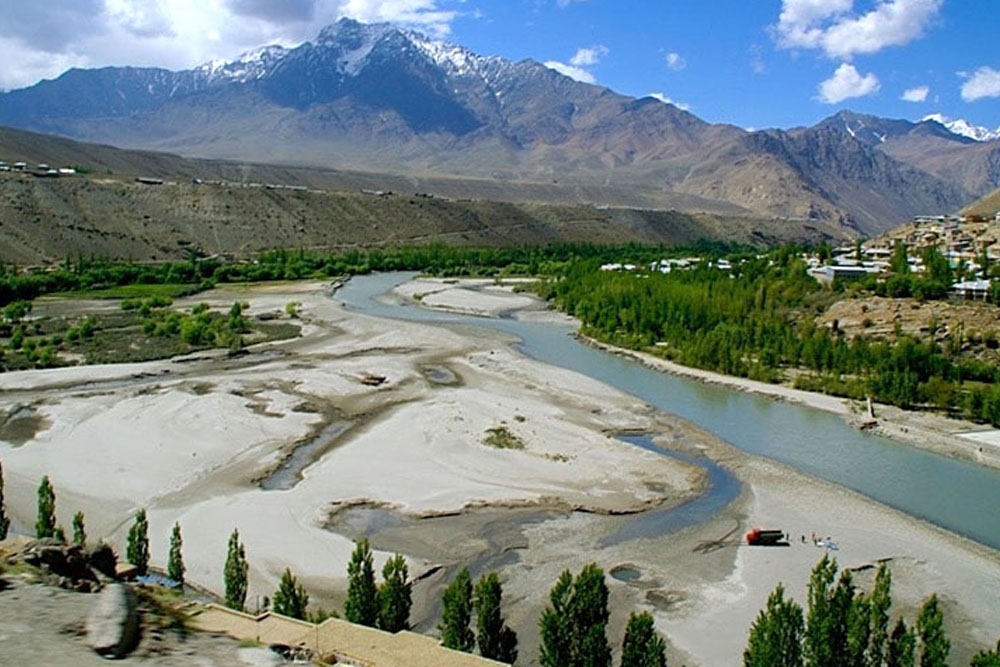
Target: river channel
{"x": 956, "y": 495}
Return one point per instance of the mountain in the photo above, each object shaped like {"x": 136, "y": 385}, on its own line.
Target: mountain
{"x": 964, "y": 128}
{"x": 207, "y": 207}
{"x": 373, "y": 97}
{"x": 988, "y": 206}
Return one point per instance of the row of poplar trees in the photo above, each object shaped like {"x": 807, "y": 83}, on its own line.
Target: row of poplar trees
{"x": 844, "y": 627}
{"x": 137, "y": 545}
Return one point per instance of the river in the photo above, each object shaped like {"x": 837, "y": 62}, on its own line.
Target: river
{"x": 959, "y": 496}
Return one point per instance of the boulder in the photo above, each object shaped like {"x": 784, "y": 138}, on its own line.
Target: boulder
{"x": 64, "y": 562}
{"x": 113, "y": 624}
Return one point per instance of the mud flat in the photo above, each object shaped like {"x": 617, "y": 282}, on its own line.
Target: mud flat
{"x": 357, "y": 410}
{"x": 196, "y": 440}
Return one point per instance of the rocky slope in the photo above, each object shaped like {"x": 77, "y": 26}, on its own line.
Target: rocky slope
{"x": 377, "y": 98}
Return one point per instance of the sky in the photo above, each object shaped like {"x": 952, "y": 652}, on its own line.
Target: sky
{"x": 753, "y": 63}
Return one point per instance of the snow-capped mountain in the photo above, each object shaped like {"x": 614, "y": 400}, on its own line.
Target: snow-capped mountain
{"x": 964, "y": 128}
{"x": 377, "y": 97}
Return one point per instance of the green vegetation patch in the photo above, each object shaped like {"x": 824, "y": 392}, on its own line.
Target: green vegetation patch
{"x": 501, "y": 437}
{"x": 134, "y": 291}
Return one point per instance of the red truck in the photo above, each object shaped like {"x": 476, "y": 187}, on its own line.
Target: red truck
{"x": 765, "y": 538}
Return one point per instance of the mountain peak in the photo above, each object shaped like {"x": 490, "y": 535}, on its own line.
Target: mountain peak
{"x": 963, "y": 128}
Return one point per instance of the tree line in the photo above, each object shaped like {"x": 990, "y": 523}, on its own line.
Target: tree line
{"x": 757, "y": 320}
{"x": 284, "y": 264}
{"x": 845, "y": 627}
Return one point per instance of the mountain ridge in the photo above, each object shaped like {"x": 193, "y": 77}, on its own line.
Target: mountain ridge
{"x": 377, "y": 97}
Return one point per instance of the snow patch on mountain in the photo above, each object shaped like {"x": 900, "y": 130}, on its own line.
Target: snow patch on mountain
{"x": 964, "y": 128}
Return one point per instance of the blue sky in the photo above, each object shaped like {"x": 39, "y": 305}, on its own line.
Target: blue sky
{"x": 753, "y": 63}
{"x": 733, "y": 66}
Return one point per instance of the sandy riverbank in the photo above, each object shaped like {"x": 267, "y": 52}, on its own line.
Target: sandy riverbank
{"x": 190, "y": 444}
{"x": 190, "y": 439}
{"x": 705, "y": 588}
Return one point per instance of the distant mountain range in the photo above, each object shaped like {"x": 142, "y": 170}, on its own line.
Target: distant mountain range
{"x": 378, "y": 98}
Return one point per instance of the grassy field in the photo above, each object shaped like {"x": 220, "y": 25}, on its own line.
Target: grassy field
{"x": 131, "y": 292}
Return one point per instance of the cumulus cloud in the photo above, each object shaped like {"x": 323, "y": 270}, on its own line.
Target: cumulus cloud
{"x": 846, "y": 83}
{"x": 589, "y": 56}
{"x": 577, "y": 73}
{"x": 918, "y": 94}
{"x": 835, "y": 28}
{"x": 577, "y": 66}
{"x": 46, "y": 38}
{"x": 666, "y": 100}
{"x": 675, "y": 61}
{"x": 984, "y": 82}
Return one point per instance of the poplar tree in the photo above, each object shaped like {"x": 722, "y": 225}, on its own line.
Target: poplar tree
{"x": 776, "y": 635}
{"x": 880, "y": 601}
{"x": 291, "y": 598}
{"x": 642, "y": 646}
{"x": 175, "y": 560}
{"x": 79, "y": 530}
{"x": 137, "y": 548}
{"x": 362, "y": 597}
{"x": 556, "y": 626}
{"x": 987, "y": 658}
{"x": 574, "y": 626}
{"x": 934, "y": 645}
{"x": 4, "y": 519}
{"x": 818, "y": 650}
{"x": 496, "y": 641}
{"x": 456, "y": 614}
{"x": 395, "y": 596}
{"x": 45, "y": 526}
{"x": 901, "y": 651}
{"x": 236, "y": 573}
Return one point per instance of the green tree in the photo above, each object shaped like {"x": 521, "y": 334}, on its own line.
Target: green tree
{"x": 79, "y": 530}
{"x": 880, "y": 601}
{"x": 574, "y": 626}
{"x": 900, "y": 261}
{"x": 987, "y": 658}
{"x": 821, "y": 618}
{"x": 556, "y": 626}
{"x": 859, "y": 631}
{"x": 45, "y": 526}
{"x": 776, "y": 635}
{"x": 590, "y": 618}
{"x": 175, "y": 560}
{"x": 291, "y": 598}
{"x": 496, "y": 640}
{"x": 901, "y": 651}
{"x": 4, "y": 519}
{"x": 934, "y": 644}
{"x": 137, "y": 548}
{"x": 642, "y": 646}
{"x": 362, "y": 597}
{"x": 236, "y": 573}
{"x": 456, "y": 614}
{"x": 395, "y": 596}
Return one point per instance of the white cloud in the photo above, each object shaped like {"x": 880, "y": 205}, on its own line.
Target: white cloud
{"x": 589, "y": 56}
{"x": 43, "y": 39}
{"x": 846, "y": 83}
{"x": 577, "y": 73}
{"x": 666, "y": 100}
{"x": 675, "y": 61}
{"x": 834, "y": 27}
{"x": 984, "y": 82}
{"x": 567, "y": 3}
{"x": 918, "y": 94}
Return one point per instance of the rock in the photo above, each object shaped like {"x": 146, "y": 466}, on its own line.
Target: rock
{"x": 66, "y": 563}
{"x": 113, "y": 624}
{"x": 103, "y": 559}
